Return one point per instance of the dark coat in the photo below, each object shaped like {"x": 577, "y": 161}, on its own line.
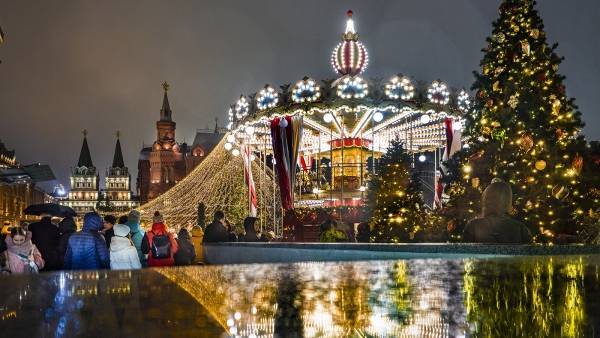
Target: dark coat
{"x": 108, "y": 235}
{"x": 186, "y": 255}
{"x": 87, "y": 249}
{"x": 215, "y": 233}
{"x": 249, "y": 237}
{"x": 496, "y": 229}
{"x": 44, "y": 234}
{"x": 66, "y": 228}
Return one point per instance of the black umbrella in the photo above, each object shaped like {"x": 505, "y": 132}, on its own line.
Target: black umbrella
{"x": 50, "y": 208}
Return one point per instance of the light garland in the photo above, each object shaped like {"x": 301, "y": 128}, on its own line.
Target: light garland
{"x": 306, "y": 90}
{"x": 241, "y": 107}
{"x": 438, "y": 93}
{"x": 267, "y": 98}
{"x": 352, "y": 88}
{"x": 463, "y": 100}
{"x": 400, "y": 87}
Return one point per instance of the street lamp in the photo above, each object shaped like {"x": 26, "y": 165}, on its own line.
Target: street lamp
{"x": 422, "y": 158}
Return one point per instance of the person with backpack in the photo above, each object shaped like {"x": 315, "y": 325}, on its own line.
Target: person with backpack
{"x": 159, "y": 244}
{"x": 22, "y": 255}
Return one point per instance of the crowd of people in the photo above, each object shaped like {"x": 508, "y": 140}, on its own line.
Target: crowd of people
{"x": 113, "y": 243}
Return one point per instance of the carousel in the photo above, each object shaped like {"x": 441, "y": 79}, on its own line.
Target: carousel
{"x": 323, "y": 138}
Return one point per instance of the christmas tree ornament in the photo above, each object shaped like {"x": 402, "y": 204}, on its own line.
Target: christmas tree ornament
{"x": 513, "y": 101}
{"x": 555, "y": 67}
{"x": 495, "y": 124}
{"x": 535, "y": 33}
{"x": 490, "y": 103}
{"x": 528, "y": 205}
{"x": 514, "y": 27}
{"x": 481, "y": 93}
{"x": 525, "y": 142}
{"x": 577, "y": 163}
{"x": 475, "y": 182}
{"x": 540, "y": 165}
{"x": 500, "y": 37}
{"x": 560, "y": 192}
{"x": 525, "y": 47}
{"x": 556, "y": 107}
{"x": 496, "y": 86}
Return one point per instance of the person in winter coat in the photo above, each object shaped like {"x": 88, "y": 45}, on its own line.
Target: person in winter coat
{"x": 363, "y": 233}
{"x": 232, "y": 237}
{"x": 185, "y": 255}
{"x": 107, "y": 231}
{"x": 66, "y": 228}
{"x": 22, "y": 255}
{"x": 495, "y": 225}
{"x": 136, "y": 233}
{"x": 250, "y": 235}
{"x": 159, "y": 244}
{"x": 123, "y": 255}
{"x": 87, "y": 249}
{"x": 44, "y": 234}
{"x": 216, "y": 231}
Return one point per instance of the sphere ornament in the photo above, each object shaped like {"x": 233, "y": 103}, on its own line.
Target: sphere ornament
{"x": 306, "y": 90}
{"x": 400, "y": 87}
{"x": 267, "y": 98}
{"x": 350, "y": 56}
{"x": 540, "y": 165}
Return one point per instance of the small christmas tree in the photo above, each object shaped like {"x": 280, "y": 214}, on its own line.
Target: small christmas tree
{"x": 394, "y": 198}
{"x": 201, "y": 215}
{"x": 522, "y": 129}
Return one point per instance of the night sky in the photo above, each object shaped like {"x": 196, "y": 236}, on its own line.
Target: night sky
{"x": 98, "y": 65}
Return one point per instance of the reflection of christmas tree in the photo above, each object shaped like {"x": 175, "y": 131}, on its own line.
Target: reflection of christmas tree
{"x": 528, "y": 298}
{"x": 394, "y": 198}
{"x": 523, "y": 129}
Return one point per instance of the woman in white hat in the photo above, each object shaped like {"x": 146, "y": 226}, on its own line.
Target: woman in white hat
{"x": 123, "y": 255}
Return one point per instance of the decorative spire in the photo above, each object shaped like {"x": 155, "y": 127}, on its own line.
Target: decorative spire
{"x": 118, "y": 157}
{"x": 85, "y": 159}
{"x": 350, "y": 56}
{"x": 216, "y": 125}
{"x": 165, "y": 112}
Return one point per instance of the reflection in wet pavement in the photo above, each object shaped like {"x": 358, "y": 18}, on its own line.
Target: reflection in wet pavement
{"x": 509, "y": 297}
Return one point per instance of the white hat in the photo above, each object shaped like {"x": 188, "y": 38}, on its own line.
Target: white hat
{"x": 121, "y": 230}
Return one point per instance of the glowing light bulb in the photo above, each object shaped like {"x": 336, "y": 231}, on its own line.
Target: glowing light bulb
{"x": 228, "y": 146}
{"x": 230, "y": 138}
{"x": 377, "y": 117}
{"x": 425, "y": 119}
{"x": 328, "y": 118}
{"x": 458, "y": 125}
{"x": 250, "y": 130}
{"x": 235, "y": 152}
{"x": 422, "y": 158}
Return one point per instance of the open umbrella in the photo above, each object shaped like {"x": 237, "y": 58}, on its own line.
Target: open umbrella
{"x": 50, "y": 208}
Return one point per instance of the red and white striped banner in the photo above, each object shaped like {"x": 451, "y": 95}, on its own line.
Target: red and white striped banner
{"x": 252, "y": 201}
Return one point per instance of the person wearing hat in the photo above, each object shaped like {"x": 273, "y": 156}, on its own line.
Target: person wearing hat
{"x": 123, "y": 255}
{"x": 86, "y": 249}
{"x": 136, "y": 233}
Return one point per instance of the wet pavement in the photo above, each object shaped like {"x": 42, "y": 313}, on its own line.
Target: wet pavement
{"x": 535, "y": 296}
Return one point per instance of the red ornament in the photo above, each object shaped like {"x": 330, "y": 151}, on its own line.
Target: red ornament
{"x": 490, "y": 103}
{"x": 541, "y": 77}
{"x": 481, "y": 94}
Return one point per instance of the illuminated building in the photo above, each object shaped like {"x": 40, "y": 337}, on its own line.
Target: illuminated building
{"x": 167, "y": 161}
{"x": 17, "y": 189}
{"x": 117, "y": 193}
{"x": 85, "y": 182}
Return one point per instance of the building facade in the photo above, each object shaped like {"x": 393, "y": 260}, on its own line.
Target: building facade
{"x": 117, "y": 193}
{"x": 84, "y": 181}
{"x": 167, "y": 162}
{"x": 17, "y": 194}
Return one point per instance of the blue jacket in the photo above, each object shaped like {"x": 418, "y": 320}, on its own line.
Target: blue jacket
{"x": 137, "y": 234}
{"x": 87, "y": 249}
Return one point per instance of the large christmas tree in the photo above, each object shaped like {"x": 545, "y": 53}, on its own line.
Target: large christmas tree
{"x": 394, "y": 198}
{"x": 522, "y": 128}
